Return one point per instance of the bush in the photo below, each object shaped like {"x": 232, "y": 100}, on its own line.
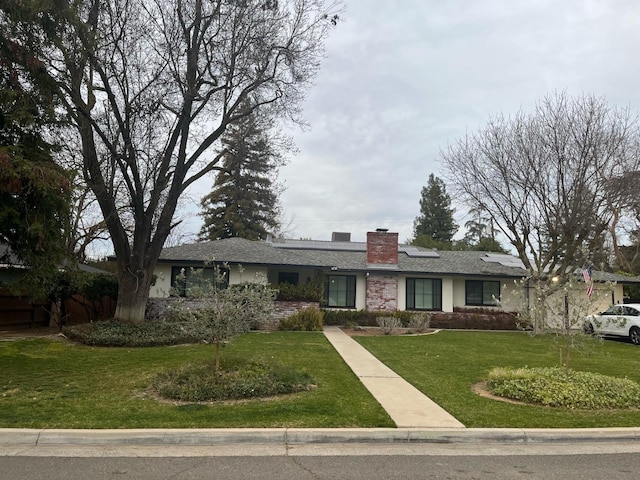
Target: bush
{"x": 362, "y": 318}
{"x": 112, "y": 333}
{"x": 476, "y": 319}
{"x": 306, "y": 320}
{"x": 201, "y": 383}
{"x": 560, "y": 387}
{"x": 93, "y": 286}
{"x": 420, "y": 322}
{"x": 349, "y": 317}
{"x": 100, "y": 285}
{"x": 308, "y": 292}
{"x": 387, "y": 324}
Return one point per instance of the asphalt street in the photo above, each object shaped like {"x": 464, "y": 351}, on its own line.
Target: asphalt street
{"x": 335, "y": 461}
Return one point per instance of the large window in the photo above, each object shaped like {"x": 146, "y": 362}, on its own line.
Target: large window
{"x": 424, "y": 294}
{"x": 189, "y": 281}
{"x": 482, "y": 292}
{"x": 340, "y": 291}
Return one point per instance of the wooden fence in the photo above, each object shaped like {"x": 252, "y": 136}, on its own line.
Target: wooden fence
{"x": 18, "y": 312}
{"x": 21, "y": 312}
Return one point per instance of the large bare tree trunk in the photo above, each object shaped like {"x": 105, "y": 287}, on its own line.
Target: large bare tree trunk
{"x": 133, "y": 293}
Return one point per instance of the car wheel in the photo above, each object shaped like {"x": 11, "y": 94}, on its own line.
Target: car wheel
{"x": 588, "y": 328}
{"x": 634, "y": 335}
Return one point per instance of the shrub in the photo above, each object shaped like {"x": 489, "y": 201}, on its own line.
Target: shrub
{"x": 308, "y": 292}
{"x": 363, "y": 318}
{"x": 306, "y": 320}
{"x": 561, "y": 387}
{"x": 420, "y": 321}
{"x": 100, "y": 285}
{"x": 113, "y": 333}
{"x": 348, "y": 317}
{"x": 476, "y": 318}
{"x": 387, "y": 324}
{"x": 200, "y": 383}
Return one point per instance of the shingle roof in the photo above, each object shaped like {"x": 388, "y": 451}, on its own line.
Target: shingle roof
{"x": 350, "y": 256}
{"x": 600, "y": 276}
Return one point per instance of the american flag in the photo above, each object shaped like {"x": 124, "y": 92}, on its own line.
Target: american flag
{"x": 586, "y": 274}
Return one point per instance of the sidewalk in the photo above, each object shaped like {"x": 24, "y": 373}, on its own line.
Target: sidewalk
{"x": 405, "y": 404}
{"x": 14, "y": 438}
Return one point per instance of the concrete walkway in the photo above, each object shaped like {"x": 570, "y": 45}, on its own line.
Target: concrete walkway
{"x": 405, "y": 404}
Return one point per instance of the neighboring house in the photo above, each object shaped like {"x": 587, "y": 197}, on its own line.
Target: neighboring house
{"x": 377, "y": 275}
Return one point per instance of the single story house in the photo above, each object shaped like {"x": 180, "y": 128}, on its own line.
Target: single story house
{"x": 378, "y": 275}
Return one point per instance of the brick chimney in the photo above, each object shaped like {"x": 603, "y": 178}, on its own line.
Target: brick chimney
{"x": 382, "y": 248}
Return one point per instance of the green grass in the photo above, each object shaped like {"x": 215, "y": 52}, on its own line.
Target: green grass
{"x": 445, "y": 366}
{"x": 47, "y": 383}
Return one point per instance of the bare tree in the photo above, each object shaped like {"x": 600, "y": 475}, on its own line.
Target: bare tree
{"x": 151, "y": 85}
{"x": 625, "y": 223}
{"x": 547, "y": 179}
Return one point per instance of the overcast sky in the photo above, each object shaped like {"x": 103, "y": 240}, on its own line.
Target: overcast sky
{"x": 403, "y": 78}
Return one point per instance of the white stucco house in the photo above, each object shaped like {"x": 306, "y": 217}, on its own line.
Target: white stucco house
{"x": 382, "y": 275}
{"x": 378, "y": 275}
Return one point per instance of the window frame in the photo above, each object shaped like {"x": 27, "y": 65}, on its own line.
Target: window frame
{"x": 208, "y": 272}
{"x": 436, "y": 293}
{"x": 287, "y": 277}
{"x": 349, "y": 292}
{"x": 470, "y": 295}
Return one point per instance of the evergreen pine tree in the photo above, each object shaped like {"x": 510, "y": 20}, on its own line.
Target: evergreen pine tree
{"x": 244, "y": 199}
{"x": 481, "y": 233}
{"x": 34, "y": 190}
{"x": 435, "y": 222}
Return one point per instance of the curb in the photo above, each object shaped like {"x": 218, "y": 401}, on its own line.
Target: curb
{"x": 297, "y": 436}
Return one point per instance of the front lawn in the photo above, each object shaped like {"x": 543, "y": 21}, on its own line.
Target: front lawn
{"x": 445, "y": 366}
{"x": 47, "y": 383}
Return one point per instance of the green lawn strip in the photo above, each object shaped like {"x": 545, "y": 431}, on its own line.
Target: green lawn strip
{"x": 47, "y": 383}
{"x": 446, "y": 365}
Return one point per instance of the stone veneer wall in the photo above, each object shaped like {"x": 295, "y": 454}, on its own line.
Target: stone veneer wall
{"x": 382, "y": 293}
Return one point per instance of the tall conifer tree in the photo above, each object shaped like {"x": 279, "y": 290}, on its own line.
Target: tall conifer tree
{"x": 244, "y": 200}
{"x": 34, "y": 190}
{"x": 435, "y": 222}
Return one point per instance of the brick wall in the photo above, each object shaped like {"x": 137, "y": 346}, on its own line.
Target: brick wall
{"x": 382, "y": 293}
{"x": 283, "y": 310}
{"x": 382, "y": 248}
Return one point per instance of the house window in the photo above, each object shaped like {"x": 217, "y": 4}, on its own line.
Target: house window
{"x": 288, "y": 277}
{"x": 340, "y": 291}
{"x": 190, "y": 281}
{"x": 424, "y": 294}
{"x": 482, "y": 292}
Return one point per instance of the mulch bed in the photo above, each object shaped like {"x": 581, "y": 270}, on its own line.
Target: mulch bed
{"x": 377, "y": 331}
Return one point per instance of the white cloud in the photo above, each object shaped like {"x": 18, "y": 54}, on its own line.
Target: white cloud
{"x": 402, "y": 79}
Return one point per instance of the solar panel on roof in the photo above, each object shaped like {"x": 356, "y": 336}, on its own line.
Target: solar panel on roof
{"x": 320, "y": 245}
{"x": 415, "y": 252}
{"x": 503, "y": 259}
